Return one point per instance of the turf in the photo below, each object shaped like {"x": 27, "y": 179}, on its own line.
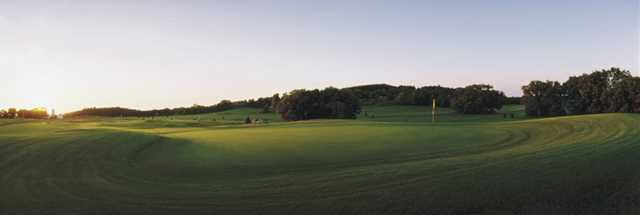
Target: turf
{"x": 382, "y": 165}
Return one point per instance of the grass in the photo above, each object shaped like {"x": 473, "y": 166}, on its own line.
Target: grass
{"x": 381, "y": 165}
{"x": 423, "y": 114}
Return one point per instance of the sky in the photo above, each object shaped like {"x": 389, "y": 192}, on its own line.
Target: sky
{"x": 70, "y": 55}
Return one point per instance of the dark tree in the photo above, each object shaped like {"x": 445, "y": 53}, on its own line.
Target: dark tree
{"x": 275, "y": 100}
{"x": 330, "y": 103}
{"x": 443, "y": 96}
{"x": 543, "y": 98}
{"x": 12, "y": 113}
{"x": 597, "y": 92}
{"x": 477, "y": 99}
{"x": 513, "y": 101}
{"x": 604, "y": 91}
{"x": 632, "y": 86}
{"x": 405, "y": 95}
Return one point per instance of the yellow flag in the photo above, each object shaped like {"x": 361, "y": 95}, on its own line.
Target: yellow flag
{"x": 434, "y": 105}
{"x": 433, "y": 111}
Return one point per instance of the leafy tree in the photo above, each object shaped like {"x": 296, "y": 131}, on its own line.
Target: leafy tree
{"x": 404, "y": 95}
{"x": 405, "y": 98}
{"x": 513, "y": 101}
{"x": 275, "y": 100}
{"x": 543, "y": 98}
{"x": 330, "y": 103}
{"x": 599, "y": 92}
{"x": 477, "y": 99}
{"x": 425, "y": 96}
{"x": 374, "y": 93}
{"x": 634, "y": 88}
{"x": 12, "y": 113}
{"x": 604, "y": 91}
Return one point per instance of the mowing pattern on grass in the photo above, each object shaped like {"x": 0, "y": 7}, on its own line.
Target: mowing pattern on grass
{"x": 569, "y": 165}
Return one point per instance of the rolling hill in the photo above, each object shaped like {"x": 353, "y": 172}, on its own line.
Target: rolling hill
{"x": 397, "y": 162}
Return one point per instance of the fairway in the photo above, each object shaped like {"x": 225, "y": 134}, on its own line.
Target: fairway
{"x": 396, "y": 163}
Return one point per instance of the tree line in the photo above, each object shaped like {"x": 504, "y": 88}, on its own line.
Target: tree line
{"x": 329, "y": 103}
{"x": 36, "y": 113}
{"x": 194, "y": 109}
{"x": 345, "y": 103}
{"x": 384, "y": 94}
{"x": 604, "y": 91}
{"x": 472, "y": 99}
{"x": 333, "y": 103}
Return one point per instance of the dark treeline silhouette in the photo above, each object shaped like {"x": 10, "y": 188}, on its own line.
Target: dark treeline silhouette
{"x": 334, "y": 103}
{"x": 513, "y": 101}
{"x": 473, "y": 99}
{"x": 604, "y": 91}
{"x": 36, "y": 113}
{"x": 330, "y": 103}
{"x": 383, "y": 94}
{"x": 195, "y": 109}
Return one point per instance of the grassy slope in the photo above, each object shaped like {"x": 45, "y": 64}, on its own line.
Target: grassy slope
{"x": 568, "y": 165}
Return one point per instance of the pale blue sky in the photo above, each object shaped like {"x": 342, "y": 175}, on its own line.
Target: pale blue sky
{"x": 154, "y": 54}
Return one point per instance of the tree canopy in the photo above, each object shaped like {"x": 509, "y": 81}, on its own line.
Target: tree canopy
{"x": 383, "y": 94}
{"x": 330, "y": 103}
{"x": 543, "y": 98}
{"x": 36, "y": 113}
{"x": 194, "y": 109}
{"x": 477, "y": 99}
{"x": 603, "y": 91}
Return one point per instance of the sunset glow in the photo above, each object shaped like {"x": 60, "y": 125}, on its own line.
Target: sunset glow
{"x": 74, "y": 54}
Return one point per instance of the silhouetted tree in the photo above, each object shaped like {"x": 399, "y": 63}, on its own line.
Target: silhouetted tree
{"x": 543, "y": 98}
{"x": 12, "y": 113}
{"x": 330, "y": 103}
{"x": 275, "y": 100}
{"x": 597, "y": 92}
{"x": 477, "y": 99}
{"x": 443, "y": 96}
{"x": 604, "y": 91}
{"x": 513, "y": 101}
{"x": 36, "y": 113}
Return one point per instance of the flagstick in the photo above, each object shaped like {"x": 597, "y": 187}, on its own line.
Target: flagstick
{"x": 433, "y": 111}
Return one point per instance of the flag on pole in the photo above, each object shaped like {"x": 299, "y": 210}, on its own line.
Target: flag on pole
{"x": 433, "y": 110}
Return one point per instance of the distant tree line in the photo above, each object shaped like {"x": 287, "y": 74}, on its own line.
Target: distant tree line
{"x": 36, "y": 113}
{"x": 330, "y": 103}
{"x": 604, "y": 91}
{"x": 195, "y": 109}
{"x": 383, "y": 94}
{"x": 513, "y": 101}
{"x": 334, "y": 103}
{"x": 473, "y": 99}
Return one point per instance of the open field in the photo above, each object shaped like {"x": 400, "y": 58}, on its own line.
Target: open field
{"x": 395, "y": 163}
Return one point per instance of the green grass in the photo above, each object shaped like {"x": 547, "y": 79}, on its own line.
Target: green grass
{"x": 423, "y": 114}
{"x": 382, "y": 165}
{"x": 239, "y": 114}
